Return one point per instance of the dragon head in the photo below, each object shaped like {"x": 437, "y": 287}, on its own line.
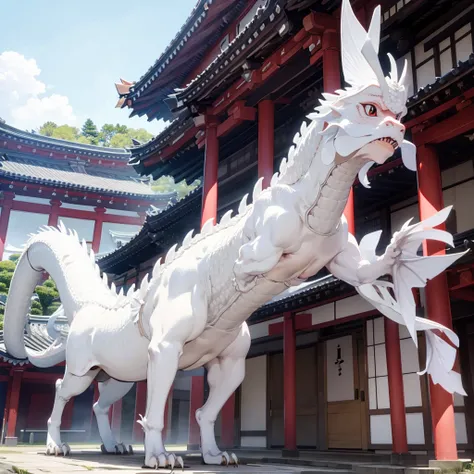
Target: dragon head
{"x": 365, "y": 119}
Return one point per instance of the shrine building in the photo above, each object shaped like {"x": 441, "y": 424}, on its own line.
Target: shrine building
{"x": 325, "y": 370}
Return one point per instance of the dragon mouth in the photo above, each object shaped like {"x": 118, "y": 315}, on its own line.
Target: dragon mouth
{"x": 393, "y": 143}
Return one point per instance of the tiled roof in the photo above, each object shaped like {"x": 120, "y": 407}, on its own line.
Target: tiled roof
{"x": 55, "y": 144}
{"x": 36, "y": 339}
{"x": 25, "y": 168}
{"x": 444, "y": 88}
{"x": 265, "y": 18}
{"x": 200, "y": 32}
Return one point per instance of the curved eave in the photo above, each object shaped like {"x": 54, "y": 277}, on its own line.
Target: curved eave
{"x": 167, "y": 137}
{"x": 63, "y": 146}
{"x": 200, "y": 32}
{"x": 265, "y": 19}
{"x": 152, "y": 238}
{"x": 444, "y": 88}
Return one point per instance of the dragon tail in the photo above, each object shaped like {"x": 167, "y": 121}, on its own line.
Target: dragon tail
{"x": 77, "y": 277}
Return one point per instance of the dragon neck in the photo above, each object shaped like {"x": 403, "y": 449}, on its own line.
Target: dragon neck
{"x": 324, "y": 213}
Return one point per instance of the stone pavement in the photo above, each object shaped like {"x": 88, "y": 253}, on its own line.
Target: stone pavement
{"x": 31, "y": 460}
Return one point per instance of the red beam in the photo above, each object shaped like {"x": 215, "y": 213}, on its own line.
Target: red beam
{"x": 465, "y": 294}
{"x": 269, "y": 67}
{"x": 75, "y": 213}
{"x": 461, "y": 122}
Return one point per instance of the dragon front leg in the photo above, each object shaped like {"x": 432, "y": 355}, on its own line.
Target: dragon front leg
{"x": 184, "y": 316}
{"x": 66, "y": 388}
{"x": 110, "y": 392}
{"x": 225, "y": 374}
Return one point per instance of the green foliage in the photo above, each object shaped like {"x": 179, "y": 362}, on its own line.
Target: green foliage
{"x": 120, "y": 140}
{"x": 3, "y": 288}
{"x": 84, "y": 140}
{"x": 116, "y": 136}
{"x": 14, "y": 257}
{"x": 166, "y": 184}
{"x": 65, "y": 132}
{"x": 47, "y": 129}
{"x": 47, "y": 293}
{"x": 89, "y": 130}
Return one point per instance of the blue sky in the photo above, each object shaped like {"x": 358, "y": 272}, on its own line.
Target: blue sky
{"x": 81, "y": 47}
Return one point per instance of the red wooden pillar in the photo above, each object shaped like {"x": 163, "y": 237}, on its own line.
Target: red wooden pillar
{"x": 54, "y": 214}
{"x": 211, "y": 165}
{"x": 7, "y": 204}
{"x": 395, "y": 388}
{"x": 196, "y": 402}
{"x": 99, "y": 220}
{"x": 140, "y": 409}
{"x": 14, "y": 389}
{"x": 332, "y": 82}
{"x": 228, "y": 423}
{"x": 430, "y": 198}
{"x": 266, "y": 135}
{"x": 289, "y": 380}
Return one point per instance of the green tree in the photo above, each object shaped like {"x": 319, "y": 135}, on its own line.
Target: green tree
{"x": 89, "y": 130}
{"x": 166, "y": 184}
{"x": 47, "y": 294}
{"x": 14, "y": 257}
{"x": 140, "y": 134}
{"x": 84, "y": 140}
{"x": 47, "y": 129}
{"x": 66, "y": 132}
{"x": 106, "y": 134}
{"x": 121, "y": 140}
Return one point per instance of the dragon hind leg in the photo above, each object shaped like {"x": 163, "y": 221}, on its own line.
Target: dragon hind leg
{"x": 225, "y": 374}
{"x": 66, "y": 388}
{"x": 110, "y": 392}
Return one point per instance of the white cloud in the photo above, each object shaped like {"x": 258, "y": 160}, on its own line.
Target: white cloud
{"x": 22, "y": 100}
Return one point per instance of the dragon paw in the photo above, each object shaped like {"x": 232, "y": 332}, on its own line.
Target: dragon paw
{"x": 164, "y": 460}
{"x": 53, "y": 449}
{"x": 221, "y": 459}
{"x": 118, "y": 448}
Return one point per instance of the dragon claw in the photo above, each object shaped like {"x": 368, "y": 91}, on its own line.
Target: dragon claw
{"x": 52, "y": 449}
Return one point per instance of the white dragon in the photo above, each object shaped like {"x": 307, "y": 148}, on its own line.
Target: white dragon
{"x": 192, "y": 311}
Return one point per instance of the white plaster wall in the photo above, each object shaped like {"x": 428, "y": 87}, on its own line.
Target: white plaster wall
{"x": 399, "y": 217}
{"x": 121, "y": 212}
{"x": 261, "y": 329}
{"x": 322, "y": 314}
{"x": 254, "y": 395}
{"x": 20, "y": 225}
{"x": 415, "y": 430}
{"x": 32, "y": 199}
{"x": 106, "y": 242}
{"x": 460, "y": 426}
{"x": 380, "y": 429}
{"x": 400, "y": 65}
{"x": 253, "y": 441}
{"x": 464, "y": 46}
{"x": 78, "y": 207}
{"x": 461, "y": 197}
{"x": 352, "y": 306}
{"x": 83, "y": 227}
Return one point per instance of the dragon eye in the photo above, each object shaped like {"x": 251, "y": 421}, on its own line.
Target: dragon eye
{"x": 370, "y": 110}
